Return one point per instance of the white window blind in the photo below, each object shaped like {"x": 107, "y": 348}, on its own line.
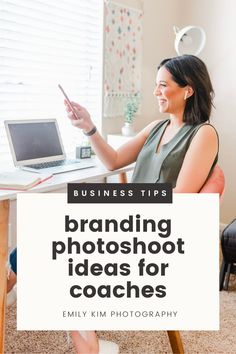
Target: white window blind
{"x": 43, "y": 43}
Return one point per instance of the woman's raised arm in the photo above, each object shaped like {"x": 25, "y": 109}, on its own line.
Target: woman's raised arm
{"x": 110, "y": 157}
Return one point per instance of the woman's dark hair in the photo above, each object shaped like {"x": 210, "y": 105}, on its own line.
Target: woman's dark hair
{"x": 190, "y": 70}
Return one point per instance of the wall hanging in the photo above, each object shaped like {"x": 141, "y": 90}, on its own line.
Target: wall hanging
{"x": 123, "y": 57}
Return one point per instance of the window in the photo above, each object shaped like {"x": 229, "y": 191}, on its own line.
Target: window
{"x": 44, "y": 43}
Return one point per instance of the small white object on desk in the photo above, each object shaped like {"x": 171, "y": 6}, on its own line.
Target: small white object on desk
{"x": 127, "y": 130}
{"x": 83, "y": 152}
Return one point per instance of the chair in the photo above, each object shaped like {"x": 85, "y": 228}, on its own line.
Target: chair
{"x": 228, "y": 243}
{"x": 214, "y": 184}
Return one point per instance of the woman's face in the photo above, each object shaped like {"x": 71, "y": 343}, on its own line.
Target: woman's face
{"x": 171, "y": 97}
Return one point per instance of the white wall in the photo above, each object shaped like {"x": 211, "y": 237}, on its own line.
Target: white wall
{"x": 218, "y": 18}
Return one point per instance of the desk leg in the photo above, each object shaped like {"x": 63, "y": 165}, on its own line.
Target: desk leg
{"x": 122, "y": 177}
{"x": 4, "y": 214}
{"x": 175, "y": 342}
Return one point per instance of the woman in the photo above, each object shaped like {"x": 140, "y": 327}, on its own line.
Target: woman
{"x": 182, "y": 149}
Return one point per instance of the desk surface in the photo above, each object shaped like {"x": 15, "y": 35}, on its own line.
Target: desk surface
{"x": 59, "y": 181}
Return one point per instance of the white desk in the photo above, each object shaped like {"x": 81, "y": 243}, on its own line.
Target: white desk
{"x": 60, "y": 181}
{"x": 54, "y": 184}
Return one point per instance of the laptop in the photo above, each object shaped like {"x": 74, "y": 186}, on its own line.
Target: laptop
{"x": 36, "y": 145}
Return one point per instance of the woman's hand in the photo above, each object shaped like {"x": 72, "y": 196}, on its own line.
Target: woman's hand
{"x": 82, "y": 118}
{"x": 111, "y": 158}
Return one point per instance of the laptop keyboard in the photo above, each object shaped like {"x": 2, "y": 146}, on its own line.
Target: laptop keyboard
{"x": 53, "y": 164}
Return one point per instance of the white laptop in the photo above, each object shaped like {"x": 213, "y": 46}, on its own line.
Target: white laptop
{"x": 36, "y": 145}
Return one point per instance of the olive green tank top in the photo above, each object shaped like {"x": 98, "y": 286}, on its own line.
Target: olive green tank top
{"x": 164, "y": 166}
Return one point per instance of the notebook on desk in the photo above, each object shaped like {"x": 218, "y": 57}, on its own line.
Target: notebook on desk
{"x": 36, "y": 145}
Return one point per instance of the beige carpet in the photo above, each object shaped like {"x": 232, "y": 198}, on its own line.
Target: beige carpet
{"x": 223, "y": 341}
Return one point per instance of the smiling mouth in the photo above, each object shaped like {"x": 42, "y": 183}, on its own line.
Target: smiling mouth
{"x": 161, "y": 101}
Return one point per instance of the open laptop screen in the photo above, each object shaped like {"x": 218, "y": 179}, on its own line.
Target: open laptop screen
{"x": 35, "y": 140}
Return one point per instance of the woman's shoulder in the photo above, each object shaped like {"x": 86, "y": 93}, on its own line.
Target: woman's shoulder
{"x": 205, "y": 135}
{"x": 152, "y": 126}
{"x": 205, "y": 131}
